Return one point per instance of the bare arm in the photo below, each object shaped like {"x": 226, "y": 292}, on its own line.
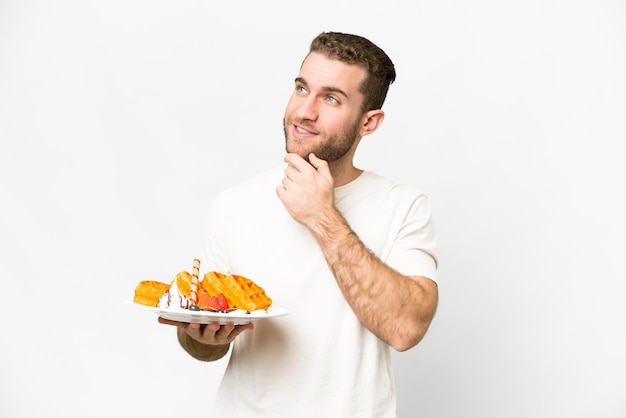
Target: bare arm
{"x": 396, "y": 308}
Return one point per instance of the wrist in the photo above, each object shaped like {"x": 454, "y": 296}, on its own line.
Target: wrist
{"x": 330, "y": 228}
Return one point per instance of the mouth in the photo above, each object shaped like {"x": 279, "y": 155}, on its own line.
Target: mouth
{"x": 301, "y": 131}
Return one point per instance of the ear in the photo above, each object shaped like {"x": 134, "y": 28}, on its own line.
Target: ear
{"x": 371, "y": 121}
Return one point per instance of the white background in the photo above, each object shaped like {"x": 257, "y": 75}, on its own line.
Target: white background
{"x": 119, "y": 120}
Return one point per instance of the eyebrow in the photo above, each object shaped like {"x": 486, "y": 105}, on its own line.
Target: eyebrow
{"x": 325, "y": 88}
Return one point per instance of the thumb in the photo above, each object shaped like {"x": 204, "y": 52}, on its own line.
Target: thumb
{"x": 321, "y": 166}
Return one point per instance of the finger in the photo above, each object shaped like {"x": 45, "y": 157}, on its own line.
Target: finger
{"x": 321, "y": 166}
{"x": 240, "y": 329}
{"x": 318, "y": 163}
{"x": 291, "y": 172}
{"x": 224, "y": 331}
{"x": 280, "y": 191}
{"x": 213, "y": 327}
{"x": 286, "y": 182}
{"x": 229, "y": 332}
{"x": 297, "y": 162}
{"x": 205, "y": 334}
{"x": 165, "y": 321}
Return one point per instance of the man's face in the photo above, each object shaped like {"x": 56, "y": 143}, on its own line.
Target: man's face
{"x": 324, "y": 115}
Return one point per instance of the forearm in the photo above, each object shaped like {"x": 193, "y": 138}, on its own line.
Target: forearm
{"x": 395, "y": 307}
{"x": 201, "y": 351}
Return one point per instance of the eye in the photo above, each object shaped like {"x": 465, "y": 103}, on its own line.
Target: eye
{"x": 332, "y": 99}
{"x": 301, "y": 89}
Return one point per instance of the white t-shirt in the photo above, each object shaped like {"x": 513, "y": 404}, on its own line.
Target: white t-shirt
{"x": 318, "y": 361}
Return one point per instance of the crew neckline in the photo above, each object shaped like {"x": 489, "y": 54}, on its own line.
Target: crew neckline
{"x": 346, "y": 188}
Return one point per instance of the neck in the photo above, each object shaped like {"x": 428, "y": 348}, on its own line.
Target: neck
{"x": 344, "y": 175}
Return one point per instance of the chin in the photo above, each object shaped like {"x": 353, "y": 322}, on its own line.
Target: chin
{"x": 294, "y": 146}
{"x": 304, "y": 155}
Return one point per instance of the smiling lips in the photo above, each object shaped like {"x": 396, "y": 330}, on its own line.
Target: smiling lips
{"x": 303, "y": 130}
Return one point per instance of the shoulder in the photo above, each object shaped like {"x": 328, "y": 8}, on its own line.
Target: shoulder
{"x": 390, "y": 188}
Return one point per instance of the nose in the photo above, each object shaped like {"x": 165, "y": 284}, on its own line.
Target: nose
{"x": 306, "y": 108}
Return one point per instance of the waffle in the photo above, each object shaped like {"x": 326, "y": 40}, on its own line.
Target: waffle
{"x": 148, "y": 292}
{"x": 183, "y": 282}
{"x": 241, "y": 292}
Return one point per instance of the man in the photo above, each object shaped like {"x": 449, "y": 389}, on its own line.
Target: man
{"x": 349, "y": 253}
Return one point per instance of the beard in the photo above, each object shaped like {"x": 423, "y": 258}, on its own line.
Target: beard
{"x": 332, "y": 147}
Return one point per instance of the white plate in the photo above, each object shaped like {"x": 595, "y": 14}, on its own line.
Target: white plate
{"x": 206, "y": 317}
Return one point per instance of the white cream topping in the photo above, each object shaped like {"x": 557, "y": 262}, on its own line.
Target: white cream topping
{"x": 173, "y": 299}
